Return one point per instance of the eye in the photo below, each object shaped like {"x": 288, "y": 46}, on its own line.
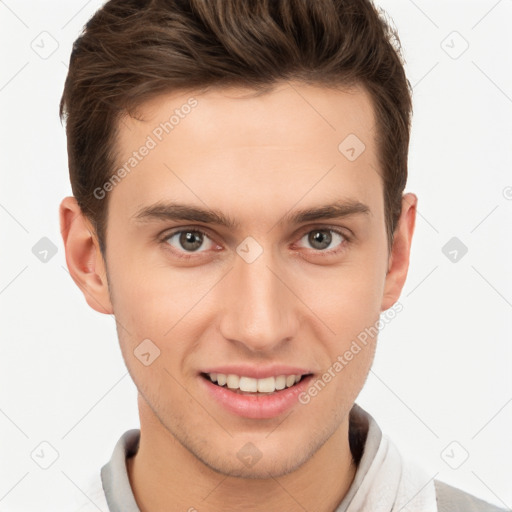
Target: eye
{"x": 323, "y": 238}
{"x": 189, "y": 240}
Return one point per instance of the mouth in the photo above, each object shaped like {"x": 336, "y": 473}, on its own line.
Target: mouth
{"x": 256, "y": 392}
{"x": 243, "y": 385}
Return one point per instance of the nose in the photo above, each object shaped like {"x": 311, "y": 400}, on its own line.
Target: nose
{"x": 260, "y": 311}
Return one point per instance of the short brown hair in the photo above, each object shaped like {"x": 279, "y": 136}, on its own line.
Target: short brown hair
{"x": 133, "y": 50}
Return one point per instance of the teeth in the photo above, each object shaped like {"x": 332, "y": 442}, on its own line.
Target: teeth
{"x": 233, "y": 381}
{"x": 248, "y": 384}
{"x": 267, "y": 385}
{"x": 290, "y": 380}
{"x": 280, "y": 382}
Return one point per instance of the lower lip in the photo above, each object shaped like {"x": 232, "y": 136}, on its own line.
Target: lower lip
{"x": 257, "y": 406}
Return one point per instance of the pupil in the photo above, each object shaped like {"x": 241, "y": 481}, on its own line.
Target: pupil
{"x": 320, "y": 237}
{"x": 191, "y": 240}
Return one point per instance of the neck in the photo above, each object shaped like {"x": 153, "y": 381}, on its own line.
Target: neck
{"x": 164, "y": 472}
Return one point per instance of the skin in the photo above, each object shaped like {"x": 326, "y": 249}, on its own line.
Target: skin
{"x": 255, "y": 158}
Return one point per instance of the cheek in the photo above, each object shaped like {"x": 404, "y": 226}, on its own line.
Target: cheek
{"x": 351, "y": 309}
{"x": 163, "y": 304}
{"x": 155, "y": 300}
{"x": 350, "y": 306}
{"x": 149, "y": 294}
{"x": 351, "y": 298}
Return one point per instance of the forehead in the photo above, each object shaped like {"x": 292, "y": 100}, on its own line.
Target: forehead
{"x": 290, "y": 113}
{"x": 232, "y": 149}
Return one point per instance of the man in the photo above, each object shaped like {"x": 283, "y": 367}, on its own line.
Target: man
{"x": 238, "y": 172}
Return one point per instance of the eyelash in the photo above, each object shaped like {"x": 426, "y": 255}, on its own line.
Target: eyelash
{"x": 346, "y": 240}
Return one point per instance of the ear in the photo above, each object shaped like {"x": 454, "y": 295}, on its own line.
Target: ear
{"x": 83, "y": 256}
{"x": 399, "y": 258}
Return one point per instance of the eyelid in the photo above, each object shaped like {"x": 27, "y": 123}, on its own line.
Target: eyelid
{"x": 163, "y": 237}
{"x": 336, "y": 229}
{"x": 173, "y": 231}
{"x": 347, "y": 239}
{"x": 303, "y": 231}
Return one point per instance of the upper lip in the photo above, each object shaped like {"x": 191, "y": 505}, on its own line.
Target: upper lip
{"x": 258, "y": 372}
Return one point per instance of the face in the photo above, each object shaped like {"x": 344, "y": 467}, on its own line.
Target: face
{"x": 279, "y": 280}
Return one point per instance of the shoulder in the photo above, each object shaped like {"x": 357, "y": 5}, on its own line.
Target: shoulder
{"x": 451, "y": 499}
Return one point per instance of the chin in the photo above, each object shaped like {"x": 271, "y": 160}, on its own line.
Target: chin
{"x": 259, "y": 470}
{"x": 260, "y": 459}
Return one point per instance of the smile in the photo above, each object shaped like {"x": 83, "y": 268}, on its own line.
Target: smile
{"x": 252, "y": 385}
{"x": 255, "y": 398}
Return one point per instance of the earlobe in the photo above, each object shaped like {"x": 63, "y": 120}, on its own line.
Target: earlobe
{"x": 400, "y": 252}
{"x": 83, "y": 256}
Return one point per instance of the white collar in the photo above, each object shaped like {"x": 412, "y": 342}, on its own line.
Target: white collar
{"x": 383, "y": 482}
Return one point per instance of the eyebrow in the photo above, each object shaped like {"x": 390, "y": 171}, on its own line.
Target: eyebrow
{"x": 183, "y": 212}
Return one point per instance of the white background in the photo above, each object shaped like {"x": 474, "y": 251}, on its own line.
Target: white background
{"x": 443, "y": 367}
